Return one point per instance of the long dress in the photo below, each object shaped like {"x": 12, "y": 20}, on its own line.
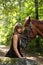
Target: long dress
{"x": 11, "y": 53}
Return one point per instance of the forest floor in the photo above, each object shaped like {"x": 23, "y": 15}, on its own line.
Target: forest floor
{"x": 39, "y": 59}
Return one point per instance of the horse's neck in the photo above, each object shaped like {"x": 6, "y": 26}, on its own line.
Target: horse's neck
{"x": 38, "y": 29}
{"x": 38, "y": 24}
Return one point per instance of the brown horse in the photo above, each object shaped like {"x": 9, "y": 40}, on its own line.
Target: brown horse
{"x": 33, "y": 28}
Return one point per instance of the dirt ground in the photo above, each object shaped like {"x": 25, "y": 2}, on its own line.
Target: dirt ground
{"x": 39, "y": 59}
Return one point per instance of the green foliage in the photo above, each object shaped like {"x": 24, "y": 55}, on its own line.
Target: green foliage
{"x": 12, "y": 11}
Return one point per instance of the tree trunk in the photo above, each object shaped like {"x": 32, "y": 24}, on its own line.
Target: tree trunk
{"x": 36, "y": 8}
{"x": 36, "y": 12}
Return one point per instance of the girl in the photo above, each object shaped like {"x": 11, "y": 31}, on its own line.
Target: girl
{"x": 14, "y": 51}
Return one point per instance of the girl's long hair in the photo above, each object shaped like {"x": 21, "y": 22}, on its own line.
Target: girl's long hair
{"x": 19, "y": 25}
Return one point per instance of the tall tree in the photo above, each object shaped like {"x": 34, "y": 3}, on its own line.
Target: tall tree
{"x": 36, "y": 8}
{"x": 36, "y": 12}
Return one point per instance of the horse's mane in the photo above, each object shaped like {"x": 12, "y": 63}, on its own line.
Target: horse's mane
{"x": 36, "y": 21}
{"x": 32, "y": 20}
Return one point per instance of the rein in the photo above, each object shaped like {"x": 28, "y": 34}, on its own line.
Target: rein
{"x": 28, "y": 31}
{"x": 31, "y": 25}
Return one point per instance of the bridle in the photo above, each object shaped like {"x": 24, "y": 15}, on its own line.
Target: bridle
{"x": 27, "y": 31}
{"x": 31, "y": 26}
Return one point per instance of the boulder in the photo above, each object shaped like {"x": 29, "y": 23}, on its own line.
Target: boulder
{"x": 17, "y": 61}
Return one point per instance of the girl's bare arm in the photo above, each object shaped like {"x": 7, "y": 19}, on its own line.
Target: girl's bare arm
{"x": 15, "y": 42}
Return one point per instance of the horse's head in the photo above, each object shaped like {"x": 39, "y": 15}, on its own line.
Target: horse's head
{"x": 29, "y": 31}
{"x": 27, "y": 28}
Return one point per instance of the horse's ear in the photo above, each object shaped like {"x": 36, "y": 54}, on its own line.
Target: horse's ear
{"x": 29, "y": 20}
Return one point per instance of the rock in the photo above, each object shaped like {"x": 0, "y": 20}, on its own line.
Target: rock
{"x": 17, "y": 61}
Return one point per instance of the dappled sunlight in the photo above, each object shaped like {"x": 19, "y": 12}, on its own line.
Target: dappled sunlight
{"x": 17, "y": 61}
{"x": 3, "y": 48}
{"x": 12, "y": 11}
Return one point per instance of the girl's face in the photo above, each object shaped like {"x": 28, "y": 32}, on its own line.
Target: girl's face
{"x": 20, "y": 30}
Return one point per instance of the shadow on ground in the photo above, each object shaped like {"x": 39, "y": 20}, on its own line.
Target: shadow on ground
{"x": 31, "y": 58}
